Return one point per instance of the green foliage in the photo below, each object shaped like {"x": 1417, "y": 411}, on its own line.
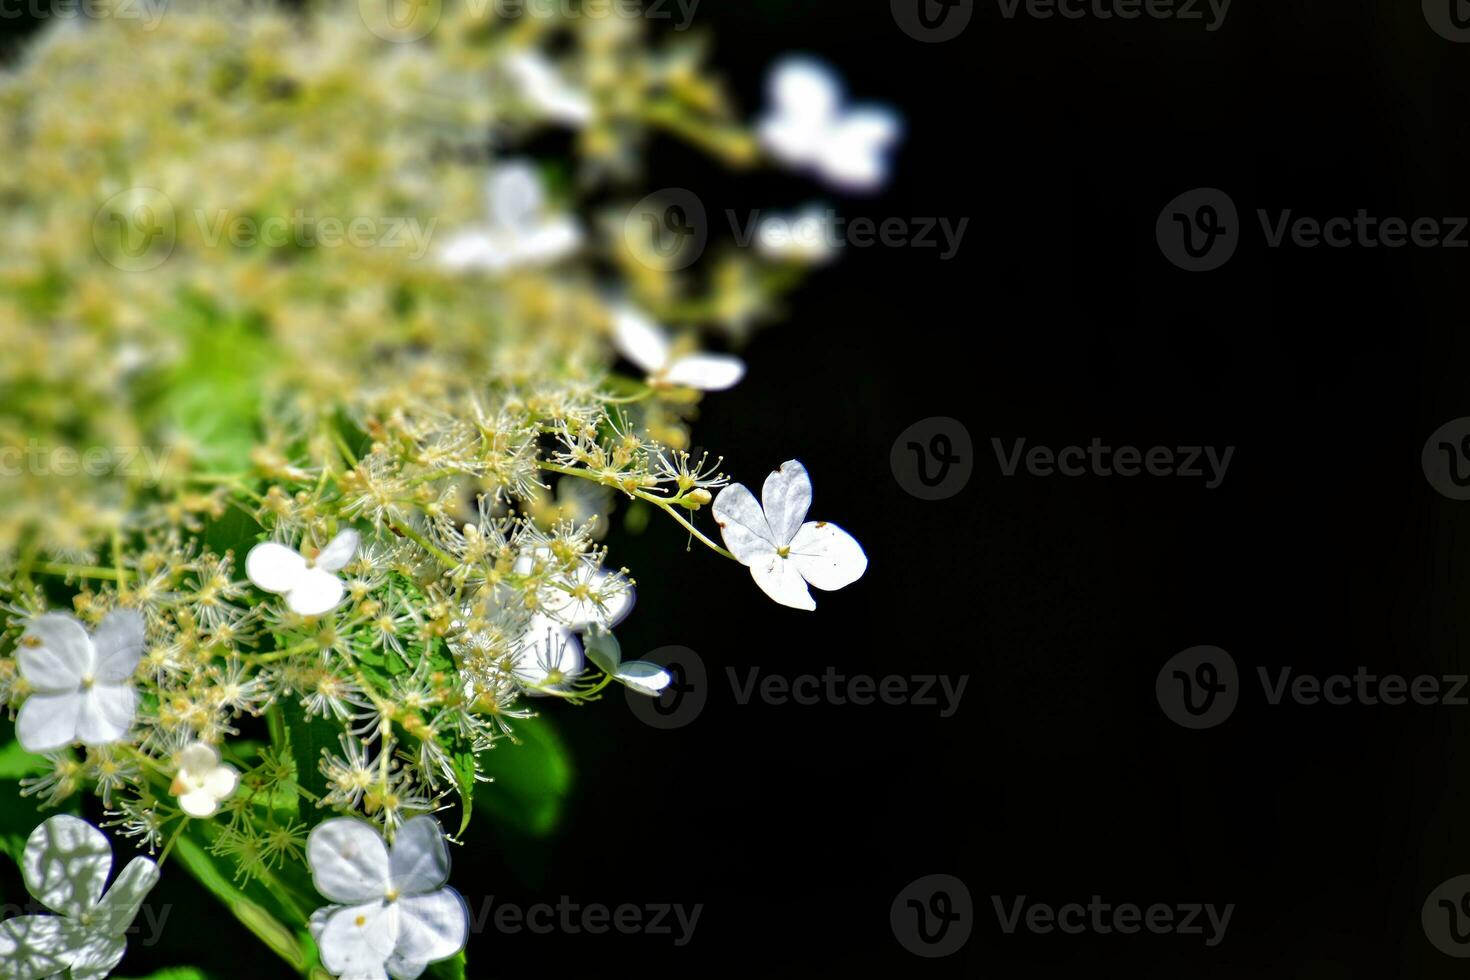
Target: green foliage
{"x": 531, "y": 781}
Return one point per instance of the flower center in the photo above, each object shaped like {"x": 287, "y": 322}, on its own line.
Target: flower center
{"x": 784, "y": 552}
{"x": 88, "y": 681}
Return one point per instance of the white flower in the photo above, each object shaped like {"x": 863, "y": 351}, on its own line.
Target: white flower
{"x": 646, "y": 345}
{"x": 202, "y": 780}
{"x": 309, "y": 585}
{"x": 519, "y": 232}
{"x": 542, "y": 86}
{"x": 548, "y": 657}
{"x": 807, "y": 127}
{"x": 587, "y": 596}
{"x": 641, "y": 676}
{"x": 395, "y": 914}
{"x": 80, "y": 682}
{"x": 804, "y": 237}
{"x": 65, "y": 865}
{"x": 783, "y": 554}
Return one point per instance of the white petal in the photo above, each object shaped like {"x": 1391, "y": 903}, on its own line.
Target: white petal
{"x": 543, "y": 87}
{"x": 198, "y": 758}
{"x": 468, "y": 250}
{"x": 48, "y": 721}
{"x": 65, "y": 654}
{"x": 827, "y": 556}
{"x": 547, "y": 647}
{"x": 119, "y": 907}
{"x": 419, "y": 859}
{"x": 743, "y": 525}
{"x": 548, "y": 241}
{"x": 779, "y": 578}
{"x": 640, "y": 340}
{"x": 106, "y": 713}
{"x": 612, "y": 589}
{"x": 357, "y": 941}
{"x": 118, "y": 643}
{"x": 348, "y": 861}
{"x": 339, "y": 551}
{"x": 33, "y": 946}
{"x": 855, "y": 155}
{"x": 97, "y": 956}
{"x": 707, "y": 372}
{"x": 274, "y": 567}
{"x": 786, "y": 497}
{"x": 514, "y": 195}
{"x": 432, "y": 927}
{"x": 805, "y": 89}
{"x": 65, "y": 864}
{"x": 646, "y": 678}
{"x": 402, "y": 968}
{"x": 199, "y": 804}
{"x": 317, "y": 591}
{"x": 221, "y": 782}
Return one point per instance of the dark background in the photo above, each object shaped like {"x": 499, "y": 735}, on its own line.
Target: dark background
{"x": 1060, "y": 778}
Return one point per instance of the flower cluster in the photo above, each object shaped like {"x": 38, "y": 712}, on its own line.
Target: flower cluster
{"x": 372, "y": 548}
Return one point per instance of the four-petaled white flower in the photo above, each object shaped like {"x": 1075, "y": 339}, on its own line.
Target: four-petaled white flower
{"x": 807, "y": 127}
{"x": 203, "y": 781}
{"x": 783, "y": 554}
{"x": 65, "y": 865}
{"x": 395, "y": 915}
{"x": 80, "y": 683}
{"x": 543, "y": 86}
{"x": 645, "y": 344}
{"x": 309, "y": 585}
{"x": 519, "y": 233}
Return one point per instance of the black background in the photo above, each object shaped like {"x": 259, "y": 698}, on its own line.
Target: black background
{"x": 1060, "y": 778}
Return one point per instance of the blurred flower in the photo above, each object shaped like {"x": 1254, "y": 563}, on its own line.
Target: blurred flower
{"x": 310, "y": 587}
{"x": 543, "y": 87}
{"x": 65, "y": 866}
{"x": 801, "y": 237}
{"x": 395, "y": 914}
{"x": 203, "y": 781}
{"x": 783, "y": 554}
{"x": 645, "y": 344}
{"x": 808, "y": 128}
{"x": 80, "y": 683}
{"x": 519, "y": 232}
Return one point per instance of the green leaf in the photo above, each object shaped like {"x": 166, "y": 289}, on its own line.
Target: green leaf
{"x": 450, "y": 969}
{"x": 16, "y": 763}
{"x": 464, "y": 781}
{"x": 308, "y": 737}
{"x": 178, "y": 973}
{"x": 19, "y": 815}
{"x": 531, "y": 780}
